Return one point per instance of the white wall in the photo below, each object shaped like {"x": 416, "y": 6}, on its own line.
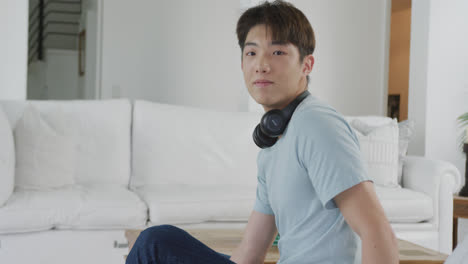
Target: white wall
{"x": 439, "y": 81}
{"x": 351, "y": 57}
{"x": 179, "y": 52}
{"x": 447, "y": 81}
{"x": 447, "y": 78}
{"x": 13, "y": 49}
{"x": 438, "y": 77}
{"x": 90, "y": 22}
{"x": 417, "y": 99}
{"x": 186, "y": 52}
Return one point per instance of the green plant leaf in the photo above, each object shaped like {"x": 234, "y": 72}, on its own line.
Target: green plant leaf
{"x": 462, "y": 124}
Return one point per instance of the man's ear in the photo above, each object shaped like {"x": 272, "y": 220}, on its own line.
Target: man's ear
{"x": 309, "y": 61}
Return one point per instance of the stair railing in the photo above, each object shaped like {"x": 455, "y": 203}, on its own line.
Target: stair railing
{"x": 39, "y": 25}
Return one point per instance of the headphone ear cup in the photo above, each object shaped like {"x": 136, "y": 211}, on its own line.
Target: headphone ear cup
{"x": 261, "y": 139}
{"x": 273, "y": 123}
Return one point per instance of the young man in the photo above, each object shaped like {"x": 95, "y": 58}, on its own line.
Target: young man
{"x": 312, "y": 184}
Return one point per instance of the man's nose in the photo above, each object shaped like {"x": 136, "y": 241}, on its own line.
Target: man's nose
{"x": 263, "y": 66}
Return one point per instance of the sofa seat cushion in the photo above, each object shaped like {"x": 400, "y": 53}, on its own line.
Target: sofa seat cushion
{"x": 179, "y": 204}
{"x": 404, "y": 205}
{"x": 429, "y": 226}
{"x": 104, "y": 207}
{"x": 34, "y": 210}
{"x": 73, "y": 207}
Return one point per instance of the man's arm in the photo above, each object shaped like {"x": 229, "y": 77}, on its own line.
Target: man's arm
{"x": 364, "y": 213}
{"x": 258, "y": 237}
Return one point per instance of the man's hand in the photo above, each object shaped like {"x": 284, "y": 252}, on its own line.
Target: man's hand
{"x": 258, "y": 237}
{"x": 364, "y": 213}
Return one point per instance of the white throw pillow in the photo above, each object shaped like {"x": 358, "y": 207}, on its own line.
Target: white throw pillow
{"x": 406, "y": 133}
{"x": 379, "y": 147}
{"x": 7, "y": 159}
{"x": 44, "y": 158}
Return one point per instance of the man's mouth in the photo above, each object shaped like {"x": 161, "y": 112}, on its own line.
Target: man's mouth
{"x": 262, "y": 83}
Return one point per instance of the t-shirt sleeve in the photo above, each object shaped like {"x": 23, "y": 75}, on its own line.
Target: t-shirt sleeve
{"x": 330, "y": 152}
{"x": 262, "y": 203}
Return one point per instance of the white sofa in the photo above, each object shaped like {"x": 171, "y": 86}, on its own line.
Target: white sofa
{"x": 141, "y": 164}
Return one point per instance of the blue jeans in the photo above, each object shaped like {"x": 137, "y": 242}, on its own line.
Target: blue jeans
{"x": 167, "y": 244}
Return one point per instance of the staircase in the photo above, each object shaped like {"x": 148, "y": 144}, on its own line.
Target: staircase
{"x": 53, "y": 24}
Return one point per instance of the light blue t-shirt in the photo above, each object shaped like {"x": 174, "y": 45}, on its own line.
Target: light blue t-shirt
{"x": 317, "y": 157}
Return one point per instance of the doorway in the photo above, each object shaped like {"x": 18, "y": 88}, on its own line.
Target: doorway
{"x": 63, "y": 49}
{"x": 399, "y": 59}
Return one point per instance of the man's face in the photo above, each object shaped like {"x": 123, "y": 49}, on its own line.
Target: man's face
{"x": 276, "y": 62}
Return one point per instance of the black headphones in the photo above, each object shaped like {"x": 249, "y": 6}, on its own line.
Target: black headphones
{"x": 274, "y": 122}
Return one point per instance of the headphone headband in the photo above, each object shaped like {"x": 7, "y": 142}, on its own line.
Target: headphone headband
{"x": 289, "y": 109}
{"x": 274, "y": 122}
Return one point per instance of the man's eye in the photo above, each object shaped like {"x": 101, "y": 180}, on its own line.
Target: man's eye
{"x": 279, "y": 51}
{"x": 247, "y": 54}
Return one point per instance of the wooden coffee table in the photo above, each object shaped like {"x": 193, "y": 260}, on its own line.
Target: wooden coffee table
{"x": 226, "y": 241}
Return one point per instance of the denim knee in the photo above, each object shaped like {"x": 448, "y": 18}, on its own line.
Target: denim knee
{"x": 161, "y": 234}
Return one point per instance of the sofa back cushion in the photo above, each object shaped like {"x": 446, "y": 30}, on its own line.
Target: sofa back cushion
{"x": 406, "y": 132}
{"x": 185, "y": 145}
{"x": 44, "y": 158}
{"x": 378, "y": 139}
{"x": 7, "y": 159}
{"x": 99, "y": 129}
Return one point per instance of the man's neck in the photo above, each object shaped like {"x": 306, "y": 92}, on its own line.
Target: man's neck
{"x": 266, "y": 108}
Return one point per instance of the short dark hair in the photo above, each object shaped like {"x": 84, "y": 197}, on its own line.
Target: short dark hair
{"x": 287, "y": 23}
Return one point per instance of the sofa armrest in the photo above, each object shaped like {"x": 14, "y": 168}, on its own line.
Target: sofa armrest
{"x": 439, "y": 180}
{"x": 425, "y": 175}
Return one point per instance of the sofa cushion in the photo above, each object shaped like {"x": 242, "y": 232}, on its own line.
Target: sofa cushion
{"x": 104, "y": 207}
{"x": 7, "y": 159}
{"x": 35, "y": 210}
{"x": 403, "y": 205}
{"x": 185, "y": 145}
{"x": 44, "y": 158}
{"x": 379, "y": 146}
{"x": 101, "y": 130}
{"x": 72, "y": 207}
{"x": 406, "y": 133}
{"x": 179, "y": 204}
{"x": 372, "y": 121}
